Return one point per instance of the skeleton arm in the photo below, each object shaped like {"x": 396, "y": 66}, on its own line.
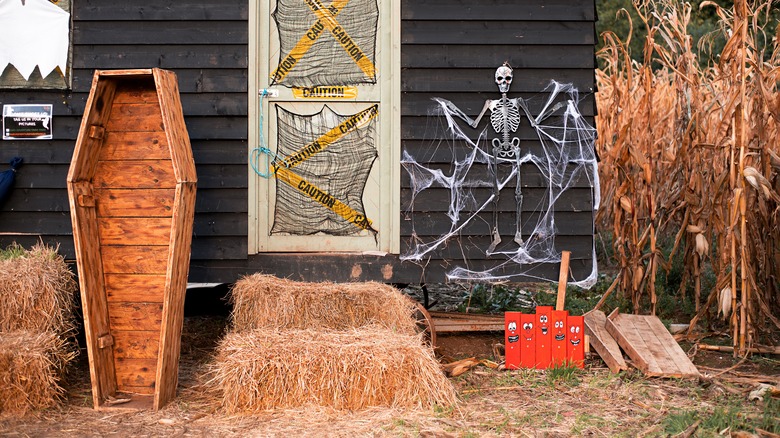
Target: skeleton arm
{"x": 520, "y": 103}
{"x": 536, "y": 120}
{"x": 460, "y": 114}
{"x": 488, "y": 104}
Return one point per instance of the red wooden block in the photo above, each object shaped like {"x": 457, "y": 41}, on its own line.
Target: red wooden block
{"x": 559, "y": 336}
{"x": 575, "y": 337}
{"x": 527, "y": 338}
{"x": 543, "y": 336}
{"x": 512, "y": 340}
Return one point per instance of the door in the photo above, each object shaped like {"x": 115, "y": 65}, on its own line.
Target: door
{"x": 324, "y": 130}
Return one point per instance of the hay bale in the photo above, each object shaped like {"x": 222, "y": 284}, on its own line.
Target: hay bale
{"x": 355, "y": 369}
{"x": 268, "y": 302}
{"x": 38, "y": 291}
{"x": 31, "y": 366}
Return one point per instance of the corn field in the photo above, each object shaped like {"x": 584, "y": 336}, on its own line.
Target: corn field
{"x": 690, "y": 155}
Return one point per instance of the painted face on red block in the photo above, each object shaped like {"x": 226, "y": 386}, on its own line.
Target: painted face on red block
{"x": 575, "y": 336}
{"x": 559, "y": 336}
{"x": 512, "y": 340}
{"x": 528, "y": 331}
{"x": 559, "y": 330}
{"x": 543, "y": 320}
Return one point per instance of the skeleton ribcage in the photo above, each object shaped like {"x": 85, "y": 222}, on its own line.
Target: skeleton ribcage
{"x": 512, "y": 119}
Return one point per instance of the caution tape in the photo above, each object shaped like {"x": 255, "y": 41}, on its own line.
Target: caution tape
{"x": 341, "y": 35}
{"x": 326, "y": 19}
{"x": 354, "y": 122}
{"x": 304, "y": 44}
{"x": 282, "y": 168}
{"x": 326, "y": 92}
{"x": 312, "y": 191}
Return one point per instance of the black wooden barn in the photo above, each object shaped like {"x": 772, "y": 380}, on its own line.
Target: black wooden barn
{"x": 227, "y": 52}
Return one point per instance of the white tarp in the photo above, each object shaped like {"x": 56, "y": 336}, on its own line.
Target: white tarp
{"x": 33, "y": 32}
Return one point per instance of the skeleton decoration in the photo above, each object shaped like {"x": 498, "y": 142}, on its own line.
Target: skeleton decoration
{"x": 562, "y": 158}
{"x": 505, "y": 119}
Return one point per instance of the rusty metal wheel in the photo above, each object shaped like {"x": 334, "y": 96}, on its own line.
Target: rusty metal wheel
{"x": 425, "y": 322}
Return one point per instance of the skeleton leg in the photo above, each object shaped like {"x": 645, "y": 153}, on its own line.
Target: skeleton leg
{"x": 494, "y": 233}
{"x": 518, "y": 196}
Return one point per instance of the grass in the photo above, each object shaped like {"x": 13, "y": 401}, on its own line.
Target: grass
{"x": 732, "y": 415}
{"x": 565, "y": 374}
{"x": 489, "y": 298}
{"x": 678, "y": 422}
{"x": 13, "y": 251}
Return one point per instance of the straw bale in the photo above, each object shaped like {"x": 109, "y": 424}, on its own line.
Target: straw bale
{"x": 354, "y": 369}
{"x": 38, "y": 291}
{"x": 265, "y": 301}
{"x": 31, "y": 366}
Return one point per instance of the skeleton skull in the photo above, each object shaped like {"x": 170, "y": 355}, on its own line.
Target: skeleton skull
{"x": 504, "y": 78}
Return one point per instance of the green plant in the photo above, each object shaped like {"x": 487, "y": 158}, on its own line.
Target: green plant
{"x": 13, "y": 251}
{"x": 677, "y": 422}
{"x": 586, "y": 421}
{"x": 487, "y": 298}
{"x": 769, "y": 418}
{"x": 566, "y": 374}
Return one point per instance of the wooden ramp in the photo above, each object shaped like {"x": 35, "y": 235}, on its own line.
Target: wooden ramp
{"x": 650, "y": 345}
{"x": 603, "y": 342}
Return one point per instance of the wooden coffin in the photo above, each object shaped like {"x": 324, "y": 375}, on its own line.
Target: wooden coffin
{"x": 131, "y": 185}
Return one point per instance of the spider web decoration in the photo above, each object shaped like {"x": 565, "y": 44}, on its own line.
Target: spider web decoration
{"x": 320, "y": 44}
{"x": 334, "y": 173}
{"x": 564, "y": 158}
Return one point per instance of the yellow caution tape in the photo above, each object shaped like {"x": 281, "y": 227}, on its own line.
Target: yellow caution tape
{"x": 326, "y": 19}
{"x": 354, "y": 122}
{"x": 304, "y": 44}
{"x": 283, "y": 172}
{"x": 325, "y": 92}
{"x": 343, "y": 38}
{"x": 345, "y": 211}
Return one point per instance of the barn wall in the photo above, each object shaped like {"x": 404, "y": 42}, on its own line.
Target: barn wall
{"x": 205, "y": 43}
{"x": 450, "y": 49}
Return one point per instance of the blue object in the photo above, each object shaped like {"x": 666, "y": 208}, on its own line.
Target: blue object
{"x": 7, "y": 179}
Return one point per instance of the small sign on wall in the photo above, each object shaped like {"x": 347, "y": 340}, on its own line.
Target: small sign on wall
{"x": 27, "y": 122}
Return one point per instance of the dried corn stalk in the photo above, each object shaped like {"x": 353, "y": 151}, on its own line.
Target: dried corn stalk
{"x": 692, "y": 154}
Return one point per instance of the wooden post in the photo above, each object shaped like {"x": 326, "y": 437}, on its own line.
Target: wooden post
{"x": 563, "y": 275}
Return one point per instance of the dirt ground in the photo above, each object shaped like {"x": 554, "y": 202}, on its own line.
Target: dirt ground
{"x": 591, "y": 402}
{"x": 492, "y": 403}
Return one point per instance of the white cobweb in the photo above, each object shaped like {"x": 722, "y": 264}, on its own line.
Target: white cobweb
{"x": 564, "y": 156}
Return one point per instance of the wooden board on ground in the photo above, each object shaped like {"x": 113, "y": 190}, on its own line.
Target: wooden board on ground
{"x": 603, "y": 342}
{"x": 449, "y": 322}
{"x": 650, "y": 345}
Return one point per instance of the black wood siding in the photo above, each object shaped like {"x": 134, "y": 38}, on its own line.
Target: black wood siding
{"x": 205, "y": 43}
{"x": 450, "y": 49}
